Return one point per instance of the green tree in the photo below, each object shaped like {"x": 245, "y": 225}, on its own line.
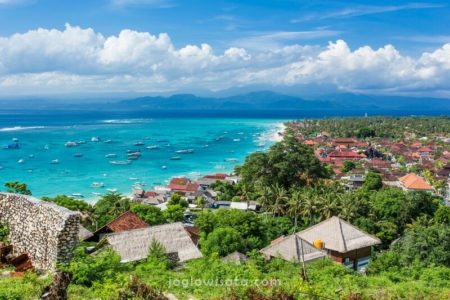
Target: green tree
{"x": 365, "y": 133}
{"x": 109, "y": 207}
{"x": 372, "y": 181}
{"x": 288, "y": 163}
{"x": 348, "y": 166}
{"x": 176, "y": 199}
{"x": 174, "y": 213}
{"x": 87, "y": 270}
{"x": 442, "y": 215}
{"x": 222, "y": 241}
{"x": 17, "y": 188}
{"x": 150, "y": 214}
{"x": 69, "y": 203}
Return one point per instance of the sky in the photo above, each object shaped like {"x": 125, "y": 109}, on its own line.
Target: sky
{"x": 103, "y": 47}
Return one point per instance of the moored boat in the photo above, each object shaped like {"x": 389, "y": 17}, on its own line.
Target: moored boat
{"x": 153, "y": 147}
{"x": 120, "y": 162}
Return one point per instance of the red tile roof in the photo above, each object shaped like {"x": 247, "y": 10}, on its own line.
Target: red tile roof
{"x": 415, "y": 182}
{"x": 179, "y": 181}
{"x": 219, "y": 176}
{"x": 126, "y": 221}
{"x": 345, "y": 154}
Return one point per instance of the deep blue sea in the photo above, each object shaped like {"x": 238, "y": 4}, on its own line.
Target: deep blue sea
{"x": 218, "y": 144}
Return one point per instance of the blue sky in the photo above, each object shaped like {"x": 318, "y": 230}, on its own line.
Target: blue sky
{"x": 264, "y": 40}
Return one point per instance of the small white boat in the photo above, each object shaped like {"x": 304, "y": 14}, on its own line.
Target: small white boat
{"x": 95, "y": 139}
{"x": 163, "y": 167}
{"x": 175, "y": 158}
{"x": 137, "y": 153}
{"x": 139, "y": 143}
{"x": 46, "y": 147}
{"x": 133, "y": 178}
{"x": 97, "y": 185}
{"x": 96, "y": 193}
{"x": 154, "y": 147}
{"x": 112, "y": 190}
{"x": 77, "y": 195}
{"x": 236, "y": 140}
{"x": 21, "y": 161}
{"x": 54, "y": 162}
{"x": 70, "y": 144}
{"x": 108, "y": 142}
{"x": 185, "y": 151}
{"x": 111, "y": 155}
{"x": 120, "y": 162}
{"x": 31, "y": 156}
{"x": 15, "y": 140}
{"x": 231, "y": 160}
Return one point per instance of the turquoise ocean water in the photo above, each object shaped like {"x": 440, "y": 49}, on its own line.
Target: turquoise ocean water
{"x": 218, "y": 145}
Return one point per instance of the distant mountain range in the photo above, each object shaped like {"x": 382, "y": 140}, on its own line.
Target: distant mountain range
{"x": 259, "y": 101}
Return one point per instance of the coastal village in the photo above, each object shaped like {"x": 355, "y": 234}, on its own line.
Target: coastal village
{"x": 409, "y": 165}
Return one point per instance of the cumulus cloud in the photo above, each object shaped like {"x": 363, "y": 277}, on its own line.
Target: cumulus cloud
{"x": 81, "y": 60}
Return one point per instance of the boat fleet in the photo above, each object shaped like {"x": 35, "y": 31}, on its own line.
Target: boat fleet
{"x": 129, "y": 156}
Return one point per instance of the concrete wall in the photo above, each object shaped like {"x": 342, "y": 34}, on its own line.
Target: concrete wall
{"x": 46, "y": 232}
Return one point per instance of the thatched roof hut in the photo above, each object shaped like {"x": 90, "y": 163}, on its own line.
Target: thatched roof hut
{"x": 338, "y": 235}
{"x": 124, "y": 222}
{"x": 236, "y": 257}
{"x": 292, "y": 248}
{"x": 84, "y": 234}
{"x": 134, "y": 244}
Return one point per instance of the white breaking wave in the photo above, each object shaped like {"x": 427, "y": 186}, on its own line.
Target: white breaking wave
{"x": 125, "y": 121}
{"x": 21, "y": 128}
{"x": 272, "y": 135}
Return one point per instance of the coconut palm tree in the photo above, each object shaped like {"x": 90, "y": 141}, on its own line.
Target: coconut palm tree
{"x": 310, "y": 207}
{"x": 327, "y": 205}
{"x": 347, "y": 208}
{"x": 265, "y": 198}
{"x": 280, "y": 200}
{"x": 295, "y": 206}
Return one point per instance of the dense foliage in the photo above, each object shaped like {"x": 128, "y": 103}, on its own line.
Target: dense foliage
{"x": 389, "y": 127}
{"x": 288, "y": 163}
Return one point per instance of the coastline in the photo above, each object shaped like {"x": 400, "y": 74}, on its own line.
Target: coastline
{"x": 253, "y": 135}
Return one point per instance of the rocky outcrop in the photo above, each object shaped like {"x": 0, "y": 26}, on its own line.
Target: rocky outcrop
{"x": 45, "y": 231}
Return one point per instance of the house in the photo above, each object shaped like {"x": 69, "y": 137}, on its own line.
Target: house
{"x": 292, "y": 248}
{"x": 354, "y": 180}
{"x": 413, "y": 182}
{"x": 84, "y": 234}
{"x": 344, "y": 243}
{"x": 347, "y": 142}
{"x": 345, "y": 155}
{"x": 194, "y": 233}
{"x": 184, "y": 186}
{"x": 239, "y": 205}
{"x": 134, "y": 245}
{"x": 124, "y": 222}
{"x": 236, "y": 257}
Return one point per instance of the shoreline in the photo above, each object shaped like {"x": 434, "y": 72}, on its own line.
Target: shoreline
{"x": 259, "y": 137}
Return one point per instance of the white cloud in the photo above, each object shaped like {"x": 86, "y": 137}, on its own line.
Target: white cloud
{"x": 357, "y": 11}
{"x": 46, "y": 61}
